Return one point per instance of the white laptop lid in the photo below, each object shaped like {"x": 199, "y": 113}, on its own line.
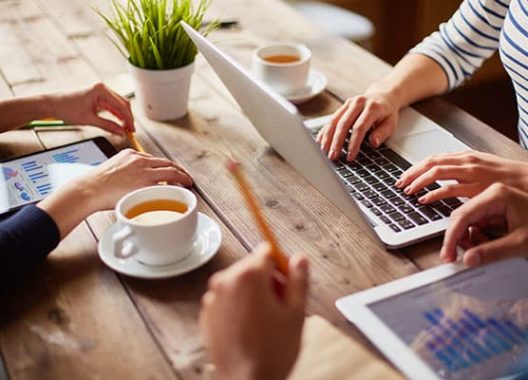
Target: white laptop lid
{"x": 279, "y": 124}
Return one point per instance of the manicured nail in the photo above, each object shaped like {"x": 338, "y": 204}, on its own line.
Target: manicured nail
{"x": 473, "y": 260}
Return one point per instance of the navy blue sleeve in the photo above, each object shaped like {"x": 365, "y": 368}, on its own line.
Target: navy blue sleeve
{"x": 26, "y": 238}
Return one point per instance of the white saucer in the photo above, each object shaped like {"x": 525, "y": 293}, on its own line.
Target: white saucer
{"x": 207, "y": 243}
{"x": 316, "y": 84}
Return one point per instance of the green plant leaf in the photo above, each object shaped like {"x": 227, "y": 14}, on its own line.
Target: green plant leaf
{"x": 149, "y": 31}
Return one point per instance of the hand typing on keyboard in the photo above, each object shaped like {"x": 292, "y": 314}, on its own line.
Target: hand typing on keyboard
{"x": 498, "y": 211}
{"x": 474, "y": 171}
{"x": 359, "y": 115}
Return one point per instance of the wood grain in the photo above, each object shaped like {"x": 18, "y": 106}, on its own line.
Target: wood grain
{"x": 76, "y": 318}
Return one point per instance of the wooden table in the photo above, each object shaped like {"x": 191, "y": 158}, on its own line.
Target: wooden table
{"x": 78, "y": 319}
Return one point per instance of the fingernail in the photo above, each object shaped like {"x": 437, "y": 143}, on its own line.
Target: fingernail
{"x": 407, "y": 190}
{"x": 473, "y": 260}
{"x": 422, "y": 199}
{"x": 349, "y": 157}
{"x": 376, "y": 143}
{"x": 331, "y": 154}
{"x": 398, "y": 183}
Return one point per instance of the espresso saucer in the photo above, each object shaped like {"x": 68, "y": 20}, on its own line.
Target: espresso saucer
{"x": 316, "y": 84}
{"x": 206, "y": 245}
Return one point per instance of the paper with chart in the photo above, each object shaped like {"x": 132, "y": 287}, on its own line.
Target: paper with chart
{"x": 30, "y": 179}
{"x": 472, "y": 325}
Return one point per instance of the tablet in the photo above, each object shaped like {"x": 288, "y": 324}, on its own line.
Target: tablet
{"x": 28, "y": 179}
{"x": 449, "y": 322}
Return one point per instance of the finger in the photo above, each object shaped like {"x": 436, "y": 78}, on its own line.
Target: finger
{"x": 158, "y": 162}
{"x": 328, "y": 131}
{"x": 434, "y": 174}
{"x": 450, "y": 191}
{"x": 107, "y": 125}
{"x": 482, "y": 206}
{"x": 297, "y": 287}
{"x": 507, "y": 247}
{"x": 117, "y": 105}
{"x": 343, "y": 126}
{"x": 415, "y": 171}
{"x": 170, "y": 175}
{"x": 359, "y": 130}
{"x": 383, "y": 131}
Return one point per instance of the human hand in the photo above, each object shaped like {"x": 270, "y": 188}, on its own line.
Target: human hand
{"x": 251, "y": 332}
{"x": 84, "y": 107}
{"x": 498, "y": 209}
{"x": 130, "y": 170}
{"x": 103, "y": 186}
{"x": 376, "y": 111}
{"x": 474, "y": 171}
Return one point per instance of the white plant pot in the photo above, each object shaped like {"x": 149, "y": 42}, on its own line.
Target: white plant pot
{"x": 162, "y": 94}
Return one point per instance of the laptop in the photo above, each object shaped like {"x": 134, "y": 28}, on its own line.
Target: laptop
{"x": 363, "y": 189}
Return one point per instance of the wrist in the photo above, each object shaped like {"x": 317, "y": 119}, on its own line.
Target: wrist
{"x": 390, "y": 92}
{"x": 46, "y": 106}
{"x": 69, "y": 206}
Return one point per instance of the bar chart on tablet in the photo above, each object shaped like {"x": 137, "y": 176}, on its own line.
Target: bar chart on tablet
{"x": 472, "y": 325}
{"x": 31, "y": 179}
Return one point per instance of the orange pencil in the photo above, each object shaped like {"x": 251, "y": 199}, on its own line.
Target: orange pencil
{"x": 134, "y": 142}
{"x": 281, "y": 261}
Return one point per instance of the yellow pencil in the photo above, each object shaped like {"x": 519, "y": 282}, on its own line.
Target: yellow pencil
{"x": 281, "y": 260}
{"x": 134, "y": 142}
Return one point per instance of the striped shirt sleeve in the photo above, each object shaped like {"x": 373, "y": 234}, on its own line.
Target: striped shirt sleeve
{"x": 462, "y": 44}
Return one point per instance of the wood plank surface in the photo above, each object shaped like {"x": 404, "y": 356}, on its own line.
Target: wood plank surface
{"x": 77, "y": 318}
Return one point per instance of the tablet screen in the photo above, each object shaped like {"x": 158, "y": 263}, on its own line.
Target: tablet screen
{"x": 472, "y": 325}
{"x": 29, "y": 179}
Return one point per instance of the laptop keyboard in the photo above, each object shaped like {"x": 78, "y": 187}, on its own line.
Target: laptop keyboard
{"x": 370, "y": 179}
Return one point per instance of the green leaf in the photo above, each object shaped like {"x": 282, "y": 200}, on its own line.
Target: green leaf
{"x": 149, "y": 31}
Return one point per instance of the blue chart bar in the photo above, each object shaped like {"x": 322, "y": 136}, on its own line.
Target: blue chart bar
{"x": 36, "y": 176}
{"x": 29, "y": 165}
{"x": 67, "y": 157}
{"x": 471, "y": 339}
{"x": 44, "y": 189}
{"x": 32, "y": 168}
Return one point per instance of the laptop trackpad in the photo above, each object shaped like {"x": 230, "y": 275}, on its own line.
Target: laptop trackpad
{"x": 416, "y": 148}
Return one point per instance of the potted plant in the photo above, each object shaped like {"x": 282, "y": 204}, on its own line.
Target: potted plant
{"x": 159, "y": 52}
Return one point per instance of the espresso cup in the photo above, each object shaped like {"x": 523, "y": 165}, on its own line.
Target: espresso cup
{"x": 287, "y": 77}
{"x": 163, "y": 240}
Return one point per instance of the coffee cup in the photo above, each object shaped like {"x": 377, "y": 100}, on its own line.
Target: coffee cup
{"x": 284, "y": 68}
{"x": 157, "y": 225}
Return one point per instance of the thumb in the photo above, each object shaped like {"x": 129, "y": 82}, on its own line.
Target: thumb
{"x": 507, "y": 247}
{"x": 383, "y": 131}
{"x": 297, "y": 281}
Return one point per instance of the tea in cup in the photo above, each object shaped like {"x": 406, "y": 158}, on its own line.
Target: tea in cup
{"x": 157, "y": 225}
{"x": 285, "y": 68}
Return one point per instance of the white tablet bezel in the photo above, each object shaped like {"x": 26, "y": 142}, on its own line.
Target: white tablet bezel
{"x": 355, "y": 309}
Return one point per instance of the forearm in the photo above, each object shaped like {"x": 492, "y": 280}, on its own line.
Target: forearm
{"x": 414, "y": 78}
{"x": 70, "y": 205}
{"x": 20, "y": 111}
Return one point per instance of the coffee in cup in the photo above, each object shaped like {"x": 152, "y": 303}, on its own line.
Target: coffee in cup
{"x": 284, "y": 68}
{"x": 157, "y": 225}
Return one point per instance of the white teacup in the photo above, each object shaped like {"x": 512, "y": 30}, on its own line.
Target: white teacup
{"x": 287, "y": 78}
{"x": 156, "y": 238}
